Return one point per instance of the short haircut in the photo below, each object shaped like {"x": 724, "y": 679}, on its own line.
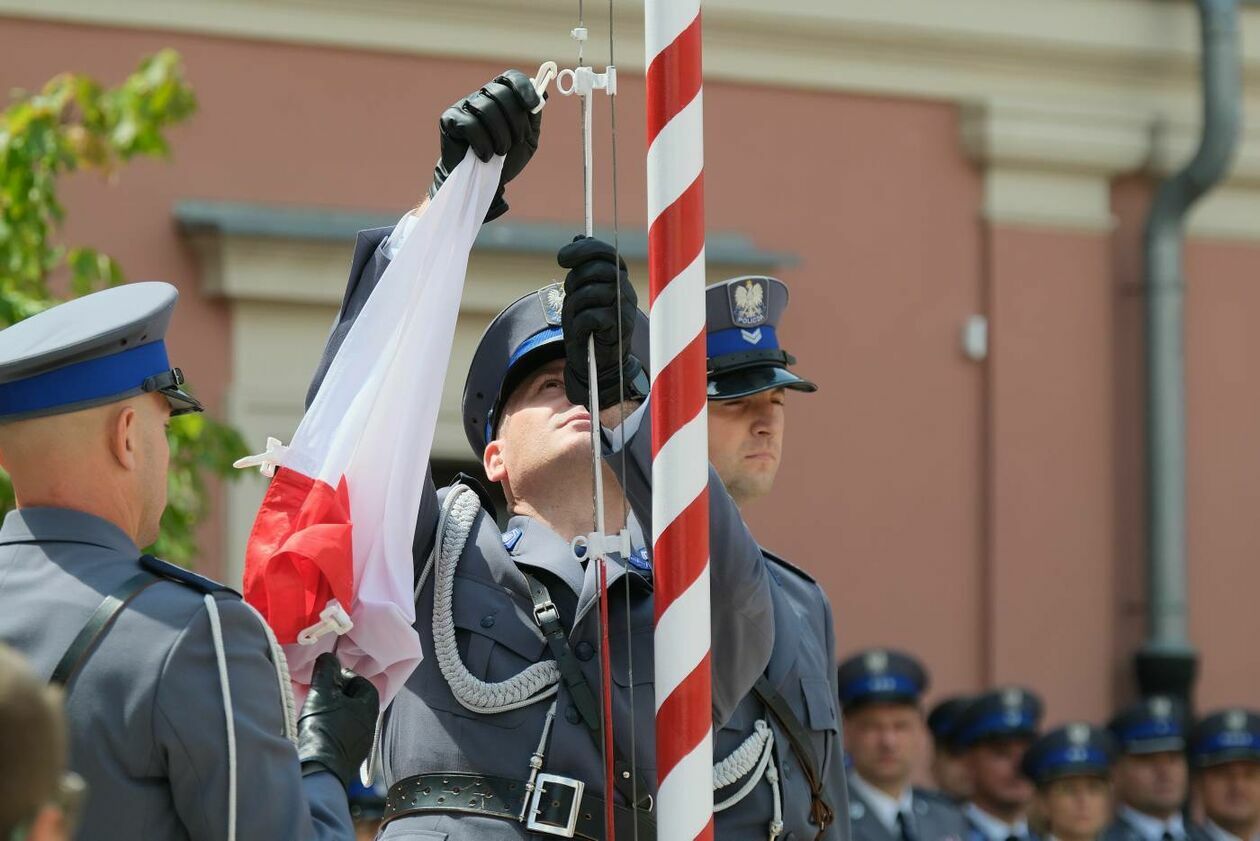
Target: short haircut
{"x": 32, "y": 742}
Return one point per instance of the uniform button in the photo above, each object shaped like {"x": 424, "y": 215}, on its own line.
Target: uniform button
{"x": 584, "y": 650}
{"x": 487, "y": 621}
{"x": 572, "y": 715}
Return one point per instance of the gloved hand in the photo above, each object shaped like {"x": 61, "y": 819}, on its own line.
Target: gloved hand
{"x": 338, "y": 720}
{"x": 494, "y": 120}
{"x": 590, "y": 309}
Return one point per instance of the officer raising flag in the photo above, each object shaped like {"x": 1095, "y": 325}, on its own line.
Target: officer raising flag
{"x": 175, "y": 690}
{"x": 498, "y": 733}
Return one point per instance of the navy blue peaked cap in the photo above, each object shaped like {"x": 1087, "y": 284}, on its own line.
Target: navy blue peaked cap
{"x": 1073, "y": 750}
{"x": 742, "y": 319}
{"x": 999, "y": 713}
{"x": 880, "y": 675}
{"x": 1152, "y": 725}
{"x": 520, "y": 339}
{"x": 97, "y": 349}
{"x": 943, "y": 719}
{"x": 1231, "y": 735}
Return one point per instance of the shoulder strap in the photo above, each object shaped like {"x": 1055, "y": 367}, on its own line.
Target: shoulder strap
{"x": 584, "y": 699}
{"x": 822, "y": 811}
{"x": 98, "y": 623}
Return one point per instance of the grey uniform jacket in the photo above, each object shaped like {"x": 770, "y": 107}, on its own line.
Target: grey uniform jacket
{"x": 936, "y": 818}
{"x": 803, "y": 670}
{"x": 428, "y": 731}
{"x": 148, "y": 730}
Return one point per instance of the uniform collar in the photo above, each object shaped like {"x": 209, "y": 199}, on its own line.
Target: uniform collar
{"x": 1151, "y": 828}
{"x": 994, "y": 829}
{"x": 1217, "y": 834}
{"x": 884, "y": 807}
{"x": 539, "y": 547}
{"x": 64, "y": 525}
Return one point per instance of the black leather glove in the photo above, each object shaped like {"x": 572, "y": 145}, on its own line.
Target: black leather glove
{"x": 591, "y": 309}
{"x": 338, "y": 720}
{"x": 494, "y": 120}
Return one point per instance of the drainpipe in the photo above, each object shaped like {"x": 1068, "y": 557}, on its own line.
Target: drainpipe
{"x": 1166, "y": 663}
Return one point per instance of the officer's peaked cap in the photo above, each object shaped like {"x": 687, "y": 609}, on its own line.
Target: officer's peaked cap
{"x": 97, "y": 349}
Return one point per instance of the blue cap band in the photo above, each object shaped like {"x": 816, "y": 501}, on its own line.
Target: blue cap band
{"x": 998, "y": 724}
{"x": 542, "y": 337}
{"x": 81, "y": 382}
{"x": 878, "y": 685}
{"x": 1228, "y": 740}
{"x": 1148, "y": 730}
{"x": 735, "y": 340}
{"x": 1073, "y": 757}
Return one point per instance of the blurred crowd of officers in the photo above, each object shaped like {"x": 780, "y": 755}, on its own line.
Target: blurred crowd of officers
{"x": 1148, "y": 774}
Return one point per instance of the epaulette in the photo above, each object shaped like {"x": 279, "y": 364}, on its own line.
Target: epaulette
{"x": 788, "y": 566}
{"x": 182, "y": 576}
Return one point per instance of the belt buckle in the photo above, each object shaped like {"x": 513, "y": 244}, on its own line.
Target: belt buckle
{"x": 567, "y": 829}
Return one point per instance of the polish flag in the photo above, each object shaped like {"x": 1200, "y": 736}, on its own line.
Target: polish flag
{"x": 329, "y": 560}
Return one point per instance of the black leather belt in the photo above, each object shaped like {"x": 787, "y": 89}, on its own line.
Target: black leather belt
{"x": 557, "y": 805}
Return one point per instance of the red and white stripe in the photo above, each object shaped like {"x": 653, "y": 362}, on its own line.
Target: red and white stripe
{"x": 680, "y": 462}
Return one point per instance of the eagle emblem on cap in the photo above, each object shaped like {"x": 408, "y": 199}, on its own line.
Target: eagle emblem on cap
{"x": 552, "y": 300}
{"x": 749, "y": 301}
{"x": 876, "y": 661}
{"x": 1012, "y": 698}
{"x": 1236, "y": 719}
{"x": 1161, "y": 707}
{"x": 1078, "y": 734}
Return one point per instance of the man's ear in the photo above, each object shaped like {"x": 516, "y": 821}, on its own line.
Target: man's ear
{"x": 124, "y": 437}
{"x": 492, "y": 461}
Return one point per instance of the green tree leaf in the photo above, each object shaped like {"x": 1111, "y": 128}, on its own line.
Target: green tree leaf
{"x": 75, "y": 123}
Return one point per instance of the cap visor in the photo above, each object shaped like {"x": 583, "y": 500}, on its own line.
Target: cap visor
{"x": 182, "y": 403}
{"x": 754, "y": 380}
{"x": 1170, "y": 744}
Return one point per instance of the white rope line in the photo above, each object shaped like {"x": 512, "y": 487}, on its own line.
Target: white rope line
{"x": 216, "y": 634}
{"x": 536, "y": 682}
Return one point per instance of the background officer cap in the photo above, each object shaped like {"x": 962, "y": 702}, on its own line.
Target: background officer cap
{"x": 880, "y": 675}
{"x": 742, "y": 316}
{"x": 943, "y": 719}
{"x": 1074, "y": 750}
{"x": 94, "y": 350}
{"x": 999, "y": 714}
{"x": 1225, "y": 736}
{"x": 1152, "y": 725}
{"x": 524, "y": 336}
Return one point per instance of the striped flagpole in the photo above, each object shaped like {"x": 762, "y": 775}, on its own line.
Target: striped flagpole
{"x": 680, "y": 460}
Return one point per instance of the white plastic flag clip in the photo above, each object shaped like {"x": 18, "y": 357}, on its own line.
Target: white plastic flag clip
{"x": 333, "y": 619}
{"x": 266, "y": 461}
{"x": 546, "y": 72}
{"x": 596, "y": 545}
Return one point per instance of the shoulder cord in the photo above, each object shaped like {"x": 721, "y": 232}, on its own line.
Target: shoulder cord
{"x": 216, "y": 634}
{"x": 756, "y": 754}
{"x": 536, "y": 682}
{"x": 282, "y": 676}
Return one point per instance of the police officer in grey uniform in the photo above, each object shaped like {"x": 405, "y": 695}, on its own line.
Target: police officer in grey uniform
{"x": 993, "y": 733}
{"x": 1070, "y": 767}
{"x": 498, "y": 733}
{"x": 175, "y": 689}
{"x": 880, "y": 692}
{"x": 949, "y": 771}
{"x": 1150, "y": 773}
{"x": 1224, "y": 753}
{"x": 790, "y": 716}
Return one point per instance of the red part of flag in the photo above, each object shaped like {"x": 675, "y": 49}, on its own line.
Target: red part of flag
{"x": 300, "y": 553}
